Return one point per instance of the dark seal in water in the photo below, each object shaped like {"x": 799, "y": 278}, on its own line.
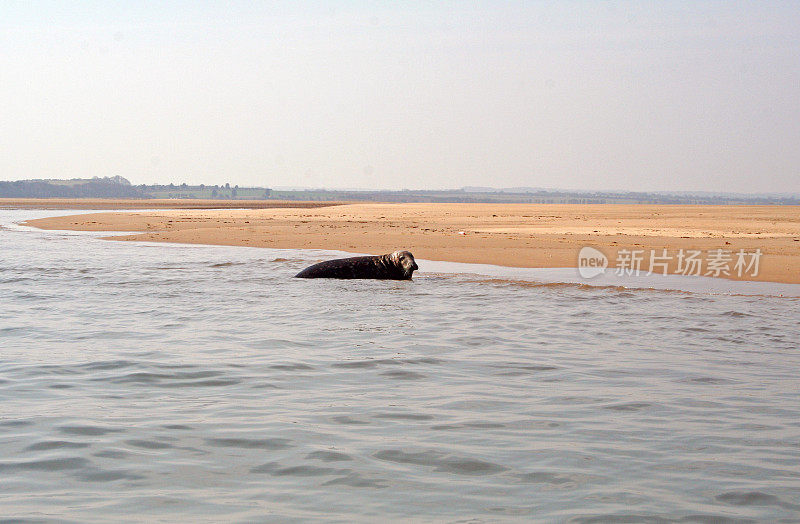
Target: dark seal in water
{"x": 394, "y": 266}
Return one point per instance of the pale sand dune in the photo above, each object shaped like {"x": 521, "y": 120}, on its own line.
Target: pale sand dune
{"x": 520, "y": 235}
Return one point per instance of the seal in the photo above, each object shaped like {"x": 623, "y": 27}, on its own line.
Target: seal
{"x": 394, "y": 266}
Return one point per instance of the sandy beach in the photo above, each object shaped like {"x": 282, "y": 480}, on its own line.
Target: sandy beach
{"x": 519, "y": 235}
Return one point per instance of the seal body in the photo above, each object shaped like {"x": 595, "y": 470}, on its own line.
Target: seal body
{"x": 394, "y": 266}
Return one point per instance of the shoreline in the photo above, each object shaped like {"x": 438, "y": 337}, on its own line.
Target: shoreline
{"x": 510, "y": 235}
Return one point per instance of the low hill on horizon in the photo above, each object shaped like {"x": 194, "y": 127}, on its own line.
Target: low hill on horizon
{"x": 120, "y": 188}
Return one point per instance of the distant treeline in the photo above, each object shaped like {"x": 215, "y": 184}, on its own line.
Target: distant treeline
{"x": 93, "y": 188}
{"x": 118, "y": 187}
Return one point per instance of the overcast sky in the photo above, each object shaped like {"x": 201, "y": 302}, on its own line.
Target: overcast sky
{"x": 589, "y": 95}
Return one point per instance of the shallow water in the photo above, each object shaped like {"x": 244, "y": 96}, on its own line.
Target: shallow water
{"x": 147, "y": 382}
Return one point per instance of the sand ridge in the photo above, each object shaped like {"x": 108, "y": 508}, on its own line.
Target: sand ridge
{"x": 519, "y": 235}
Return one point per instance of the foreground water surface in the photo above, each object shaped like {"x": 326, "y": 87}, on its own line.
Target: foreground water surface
{"x": 145, "y": 382}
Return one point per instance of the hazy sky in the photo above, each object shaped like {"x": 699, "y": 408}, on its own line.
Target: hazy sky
{"x": 593, "y": 95}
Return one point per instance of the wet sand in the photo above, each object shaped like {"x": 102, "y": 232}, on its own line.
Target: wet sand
{"x": 518, "y": 235}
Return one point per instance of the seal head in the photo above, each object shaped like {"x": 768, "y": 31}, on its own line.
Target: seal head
{"x": 399, "y": 265}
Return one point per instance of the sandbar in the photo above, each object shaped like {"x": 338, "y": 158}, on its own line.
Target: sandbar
{"x": 517, "y": 235}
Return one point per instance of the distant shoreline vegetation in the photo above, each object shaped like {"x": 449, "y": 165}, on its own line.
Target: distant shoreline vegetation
{"x": 120, "y": 188}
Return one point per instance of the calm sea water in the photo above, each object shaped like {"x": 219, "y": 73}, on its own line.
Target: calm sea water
{"x": 143, "y": 382}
